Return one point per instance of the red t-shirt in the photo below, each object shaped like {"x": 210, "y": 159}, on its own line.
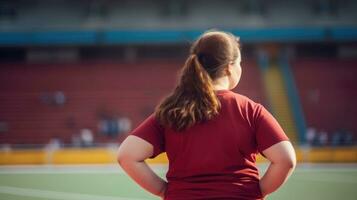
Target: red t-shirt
{"x": 216, "y": 159}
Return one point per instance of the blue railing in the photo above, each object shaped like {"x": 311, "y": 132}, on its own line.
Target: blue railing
{"x": 294, "y": 97}
{"x": 173, "y": 36}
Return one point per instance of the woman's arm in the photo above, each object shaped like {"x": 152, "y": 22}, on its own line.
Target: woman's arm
{"x": 283, "y": 162}
{"x": 131, "y": 157}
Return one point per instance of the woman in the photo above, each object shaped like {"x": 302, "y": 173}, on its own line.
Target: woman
{"x": 211, "y": 134}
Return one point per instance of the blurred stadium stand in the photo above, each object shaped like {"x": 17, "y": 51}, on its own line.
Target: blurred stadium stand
{"x": 121, "y": 57}
{"x": 130, "y": 89}
{"x": 328, "y": 91}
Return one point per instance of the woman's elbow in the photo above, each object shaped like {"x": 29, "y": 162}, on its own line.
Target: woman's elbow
{"x": 289, "y": 156}
{"x": 293, "y": 158}
{"x": 287, "y": 161}
{"x": 121, "y": 156}
{"x": 133, "y": 150}
{"x": 282, "y": 154}
{"x": 290, "y": 161}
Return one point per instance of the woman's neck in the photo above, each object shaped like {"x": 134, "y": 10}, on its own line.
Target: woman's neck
{"x": 221, "y": 83}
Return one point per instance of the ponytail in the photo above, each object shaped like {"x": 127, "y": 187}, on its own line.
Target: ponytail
{"x": 193, "y": 100}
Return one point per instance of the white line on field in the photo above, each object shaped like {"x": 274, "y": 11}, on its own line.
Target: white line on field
{"x": 326, "y": 179}
{"x": 159, "y": 168}
{"x": 71, "y": 169}
{"x": 57, "y": 195}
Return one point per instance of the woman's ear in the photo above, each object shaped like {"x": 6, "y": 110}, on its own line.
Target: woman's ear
{"x": 228, "y": 69}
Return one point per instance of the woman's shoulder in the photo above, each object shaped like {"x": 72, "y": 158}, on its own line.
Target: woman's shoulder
{"x": 243, "y": 99}
{"x": 246, "y": 105}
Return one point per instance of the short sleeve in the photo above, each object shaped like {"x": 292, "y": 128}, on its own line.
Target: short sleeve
{"x": 268, "y": 131}
{"x": 152, "y": 132}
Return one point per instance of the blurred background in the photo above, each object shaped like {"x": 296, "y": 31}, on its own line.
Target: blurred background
{"x": 77, "y": 76}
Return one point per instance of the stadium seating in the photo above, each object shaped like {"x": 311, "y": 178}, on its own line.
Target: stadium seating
{"x": 327, "y": 92}
{"x": 124, "y": 89}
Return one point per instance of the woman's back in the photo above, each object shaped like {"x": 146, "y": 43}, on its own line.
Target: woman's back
{"x": 215, "y": 159}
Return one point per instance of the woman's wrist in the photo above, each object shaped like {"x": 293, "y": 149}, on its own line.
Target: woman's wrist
{"x": 163, "y": 190}
{"x": 262, "y": 191}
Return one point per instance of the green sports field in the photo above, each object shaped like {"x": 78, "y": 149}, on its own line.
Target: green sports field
{"x": 327, "y": 182}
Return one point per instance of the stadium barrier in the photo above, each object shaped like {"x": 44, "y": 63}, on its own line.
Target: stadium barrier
{"x": 108, "y": 156}
{"x": 100, "y": 37}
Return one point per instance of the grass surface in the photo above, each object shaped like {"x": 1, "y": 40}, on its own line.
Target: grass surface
{"x": 327, "y": 182}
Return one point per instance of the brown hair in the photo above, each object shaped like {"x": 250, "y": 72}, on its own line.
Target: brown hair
{"x": 194, "y": 99}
